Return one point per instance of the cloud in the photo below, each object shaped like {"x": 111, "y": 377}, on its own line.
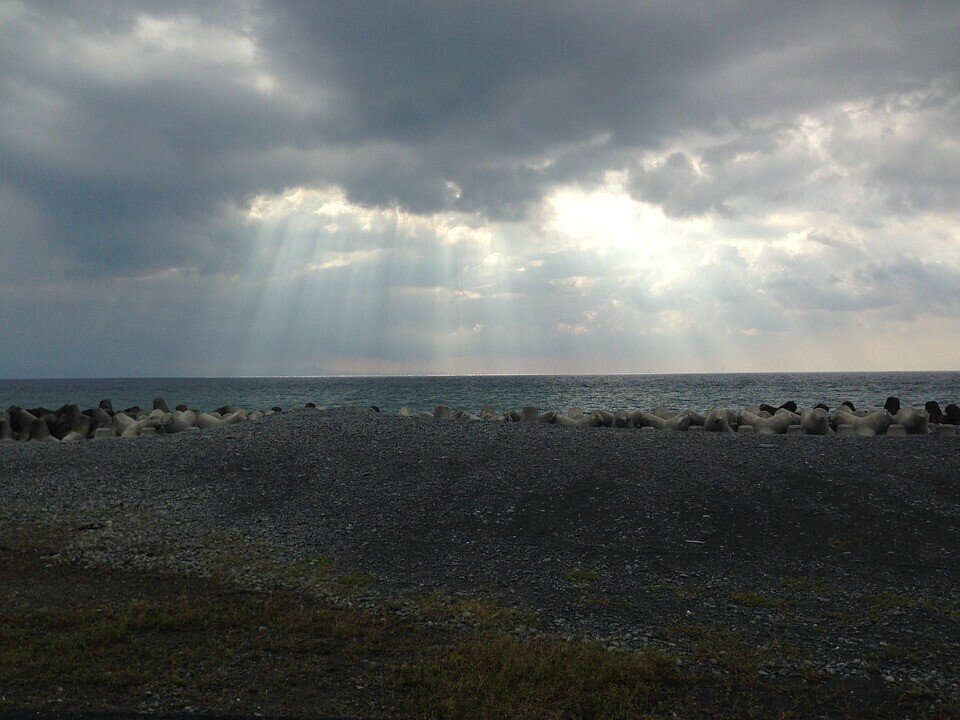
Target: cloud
{"x": 655, "y": 177}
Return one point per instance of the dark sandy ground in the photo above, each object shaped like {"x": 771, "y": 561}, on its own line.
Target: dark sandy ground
{"x": 831, "y": 562}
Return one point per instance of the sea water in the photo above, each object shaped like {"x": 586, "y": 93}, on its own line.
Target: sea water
{"x": 504, "y": 392}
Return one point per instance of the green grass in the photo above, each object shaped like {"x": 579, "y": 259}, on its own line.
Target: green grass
{"x": 503, "y": 677}
{"x": 193, "y": 646}
{"x": 891, "y": 601}
{"x": 761, "y": 600}
{"x": 809, "y": 586}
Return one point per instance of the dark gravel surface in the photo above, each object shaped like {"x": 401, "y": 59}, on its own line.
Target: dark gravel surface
{"x": 844, "y": 553}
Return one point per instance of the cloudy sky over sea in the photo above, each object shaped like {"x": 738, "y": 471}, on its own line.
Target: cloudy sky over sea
{"x": 289, "y": 188}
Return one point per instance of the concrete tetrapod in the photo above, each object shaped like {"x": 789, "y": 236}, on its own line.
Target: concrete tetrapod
{"x": 773, "y": 425}
{"x": 815, "y": 421}
{"x": 717, "y": 420}
{"x": 916, "y": 422}
{"x": 875, "y": 423}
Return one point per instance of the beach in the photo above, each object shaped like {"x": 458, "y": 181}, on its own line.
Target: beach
{"x": 831, "y": 563}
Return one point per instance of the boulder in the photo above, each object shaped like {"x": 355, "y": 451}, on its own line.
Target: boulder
{"x": 160, "y": 404}
{"x": 892, "y": 405}
{"x": 106, "y": 405}
{"x": 441, "y": 412}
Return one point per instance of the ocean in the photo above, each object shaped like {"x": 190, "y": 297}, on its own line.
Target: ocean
{"x": 504, "y": 392}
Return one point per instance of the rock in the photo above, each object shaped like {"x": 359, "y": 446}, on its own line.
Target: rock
{"x": 822, "y": 406}
{"x": 892, "y": 405}
{"x": 768, "y": 409}
{"x": 310, "y": 406}
{"x": 947, "y": 430}
{"x": 103, "y": 433}
{"x": 746, "y": 429}
{"x": 695, "y": 428}
{"x": 277, "y": 409}
{"x": 106, "y": 405}
{"x": 849, "y": 405}
{"x": 160, "y": 404}
{"x": 795, "y": 430}
{"x": 441, "y": 412}
{"x": 182, "y": 408}
{"x": 845, "y": 431}
{"x": 896, "y": 430}
{"x": 147, "y": 431}
{"x": 255, "y": 415}
{"x": 789, "y": 405}
{"x": 221, "y": 411}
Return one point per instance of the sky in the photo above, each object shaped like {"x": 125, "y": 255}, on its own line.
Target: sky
{"x": 299, "y": 188}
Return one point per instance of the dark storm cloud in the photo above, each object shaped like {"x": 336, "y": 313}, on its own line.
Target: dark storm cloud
{"x": 134, "y": 147}
{"x": 135, "y": 136}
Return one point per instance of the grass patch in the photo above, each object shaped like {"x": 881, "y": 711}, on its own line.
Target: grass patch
{"x": 891, "y": 601}
{"x": 503, "y": 677}
{"x": 200, "y": 648}
{"x": 760, "y": 600}
{"x": 898, "y": 654}
{"x": 478, "y": 613}
{"x": 584, "y": 581}
{"x": 809, "y": 586}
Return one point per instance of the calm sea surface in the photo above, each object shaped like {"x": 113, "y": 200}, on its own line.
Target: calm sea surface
{"x": 504, "y": 392}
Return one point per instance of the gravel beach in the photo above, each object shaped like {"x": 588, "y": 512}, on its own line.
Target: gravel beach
{"x": 844, "y": 553}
